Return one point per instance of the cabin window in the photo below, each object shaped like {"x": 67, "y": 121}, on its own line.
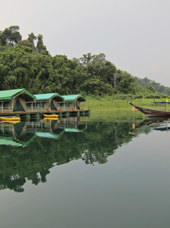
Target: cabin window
{"x": 61, "y": 105}
{"x": 67, "y": 105}
{"x": 35, "y": 105}
{"x": 41, "y": 105}
{"x": 28, "y": 105}
{"x": 6, "y": 130}
{"x": 42, "y": 125}
{"x": 5, "y": 105}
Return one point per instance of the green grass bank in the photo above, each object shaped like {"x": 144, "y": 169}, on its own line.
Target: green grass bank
{"x": 116, "y": 104}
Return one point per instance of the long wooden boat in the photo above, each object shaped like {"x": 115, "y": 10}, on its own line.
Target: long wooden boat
{"x": 151, "y": 112}
{"x": 8, "y": 119}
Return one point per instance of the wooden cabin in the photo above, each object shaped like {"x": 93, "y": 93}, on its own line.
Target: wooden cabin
{"x": 15, "y": 100}
{"x": 72, "y": 102}
{"x": 48, "y": 102}
{"x": 21, "y": 102}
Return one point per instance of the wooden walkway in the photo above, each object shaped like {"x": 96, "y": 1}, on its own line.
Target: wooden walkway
{"x": 37, "y": 114}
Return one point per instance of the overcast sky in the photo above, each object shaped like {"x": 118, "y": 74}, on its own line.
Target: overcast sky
{"x": 133, "y": 34}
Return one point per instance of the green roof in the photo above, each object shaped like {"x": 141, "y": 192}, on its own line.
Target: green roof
{"x": 8, "y": 94}
{"x": 46, "y": 96}
{"x": 73, "y": 97}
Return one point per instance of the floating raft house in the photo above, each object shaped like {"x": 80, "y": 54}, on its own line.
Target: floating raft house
{"x": 20, "y": 102}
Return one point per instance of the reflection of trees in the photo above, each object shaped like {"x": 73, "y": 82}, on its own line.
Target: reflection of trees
{"x": 33, "y": 162}
{"x": 104, "y": 139}
{"x": 12, "y": 182}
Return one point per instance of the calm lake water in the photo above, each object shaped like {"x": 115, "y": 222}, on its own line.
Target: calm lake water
{"x": 103, "y": 171}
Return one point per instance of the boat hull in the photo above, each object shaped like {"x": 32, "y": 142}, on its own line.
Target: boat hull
{"x": 151, "y": 112}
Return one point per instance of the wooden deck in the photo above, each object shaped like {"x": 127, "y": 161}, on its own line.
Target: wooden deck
{"x": 38, "y": 114}
{"x": 9, "y": 112}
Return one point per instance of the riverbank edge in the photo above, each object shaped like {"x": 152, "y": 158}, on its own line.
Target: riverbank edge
{"x": 111, "y": 104}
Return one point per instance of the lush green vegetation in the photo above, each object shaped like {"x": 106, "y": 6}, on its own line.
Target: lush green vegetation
{"x": 28, "y": 64}
{"x": 146, "y": 82}
{"x": 119, "y": 103}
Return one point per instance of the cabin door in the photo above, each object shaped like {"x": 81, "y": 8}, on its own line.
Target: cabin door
{"x": 77, "y": 107}
{"x": 18, "y": 106}
{"x": 53, "y": 106}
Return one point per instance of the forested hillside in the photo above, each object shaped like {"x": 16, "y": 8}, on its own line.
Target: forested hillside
{"x": 28, "y": 64}
{"x": 146, "y": 82}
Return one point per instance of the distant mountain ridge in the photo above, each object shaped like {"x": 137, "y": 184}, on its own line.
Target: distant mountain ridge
{"x": 146, "y": 82}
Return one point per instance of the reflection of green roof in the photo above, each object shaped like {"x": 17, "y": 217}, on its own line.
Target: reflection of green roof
{"x": 74, "y": 97}
{"x": 8, "y": 94}
{"x": 48, "y": 135}
{"x": 72, "y": 129}
{"x": 46, "y": 96}
{"x": 8, "y": 141}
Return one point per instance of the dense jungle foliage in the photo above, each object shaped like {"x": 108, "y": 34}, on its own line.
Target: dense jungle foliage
{"x": 146, "y": 82}
{"x": 28, "y": 64}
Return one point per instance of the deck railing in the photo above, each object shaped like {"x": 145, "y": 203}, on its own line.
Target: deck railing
{"x": 39, "y": 110}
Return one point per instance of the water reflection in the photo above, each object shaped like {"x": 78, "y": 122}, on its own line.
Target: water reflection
{"x": 23, "y": 133}
{"x": 28, "y": 150}
{"x": 150, "y": 124}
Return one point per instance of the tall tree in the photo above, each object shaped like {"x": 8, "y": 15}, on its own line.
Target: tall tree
{"x": 32, "y": 38}
{"x": 40, "y": 45}
{"x": 11, "y": 35}
{"x": 3, "y": 40}
{"x": 87, "y": 58}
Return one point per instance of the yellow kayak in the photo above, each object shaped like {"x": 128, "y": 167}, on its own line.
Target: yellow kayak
{"x": 8, "y": 119}
{"x": 52, "y": 116}
{"x": 50, "y": 119}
